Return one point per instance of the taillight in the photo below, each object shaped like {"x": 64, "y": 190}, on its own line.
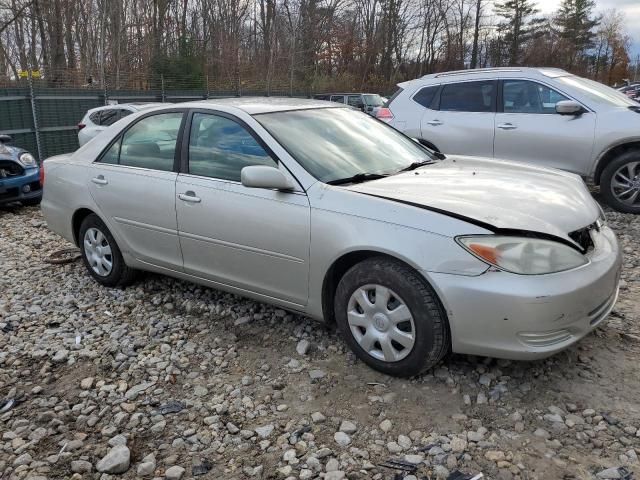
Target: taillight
{"x": 42, "y": 174}
{"x": 81, "y": 126}
{"x": 384, "y": 114}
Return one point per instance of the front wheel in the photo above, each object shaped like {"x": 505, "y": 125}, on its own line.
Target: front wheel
{"x": 620, "y": 183}
{"x": 101, "y": 255}
{"x": 391, "y": 318}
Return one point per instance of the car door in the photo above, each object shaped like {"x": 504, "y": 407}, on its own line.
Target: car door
{"x": 528, "y": 129}
{"x": 462, "y": 119}
{"x": 253, "y": 239}
{"x": 133, "y": 184}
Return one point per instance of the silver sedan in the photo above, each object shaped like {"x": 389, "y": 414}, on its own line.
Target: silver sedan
{"x": 323, "y": 210}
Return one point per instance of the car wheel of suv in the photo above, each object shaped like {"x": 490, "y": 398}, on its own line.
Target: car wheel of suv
{"x": 620, "y": 183}
{"x": 101, "y": 255}
{"x": 391, "y": 318}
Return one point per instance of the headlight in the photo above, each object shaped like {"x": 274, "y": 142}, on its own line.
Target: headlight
{"x": 526, "y": 256}
{"x": 27, "y": 160}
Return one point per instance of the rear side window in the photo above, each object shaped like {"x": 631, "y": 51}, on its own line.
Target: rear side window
{"x": 220, "y": 148}
{"x": 321, "y": 97}
{"x": 95, "y": 117}
{"x": 109, "y": 117}
{"x": 426, "y": 95}
{"x": 468, "y": 97}
{"x": 337, "y": 98}
{"x": 149, "y": 143}
{"x": 355, "y": 101}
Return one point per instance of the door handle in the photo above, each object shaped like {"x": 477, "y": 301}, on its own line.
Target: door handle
{"x": 434, "y": 122}
{"x": 189, "y": 196}
{"x": 99, "y": 180}
{"x": 507, "y": 126}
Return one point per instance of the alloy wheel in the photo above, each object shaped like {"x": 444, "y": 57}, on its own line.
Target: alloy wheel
{"x": 381, "y": 323}
{"x": 625, "y": 184}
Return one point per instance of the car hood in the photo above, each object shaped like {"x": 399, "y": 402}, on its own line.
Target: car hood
{"x": 498, "y": 195}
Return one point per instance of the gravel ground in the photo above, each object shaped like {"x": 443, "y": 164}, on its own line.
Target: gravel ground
{"x": 171, "y": 380}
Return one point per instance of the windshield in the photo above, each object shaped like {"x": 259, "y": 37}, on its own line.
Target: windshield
{"x": 337, "y": 143}
{"x": 373, "y": 100}
{"x": 598, "y": 92}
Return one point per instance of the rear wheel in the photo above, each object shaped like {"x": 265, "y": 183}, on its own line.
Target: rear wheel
{"x": 101, "y": 255}
{"x": 391, "y": 318}
{"x": 620, "y": 182}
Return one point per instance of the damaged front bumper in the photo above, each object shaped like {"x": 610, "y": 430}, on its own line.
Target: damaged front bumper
{"x": 525, "y": 317}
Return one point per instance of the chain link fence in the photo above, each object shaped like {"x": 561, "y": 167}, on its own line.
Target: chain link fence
{"x": 41, "y": 111}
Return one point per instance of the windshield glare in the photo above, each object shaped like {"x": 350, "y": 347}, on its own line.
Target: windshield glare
{"x": 598, "y": 92}
{"x": 338, "y": 143}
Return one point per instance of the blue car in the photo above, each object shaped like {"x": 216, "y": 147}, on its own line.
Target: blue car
{"x": 19, "y": 175}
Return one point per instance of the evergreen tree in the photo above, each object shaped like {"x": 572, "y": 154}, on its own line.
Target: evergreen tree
{"x": 576, "y": 24}
{"x": 518, "y": 28}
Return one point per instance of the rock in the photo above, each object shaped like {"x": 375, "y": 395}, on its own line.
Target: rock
{"x": 337, "y": 475}
{"x": 174, "y": 473}
{"x": 348, "y": 427}
{"x": 86, "y": 383}
{"x": 81, "y": 466}
{"x": 385, "y": 425}
{"x": 318, "y": 417}
{"x": 609, "y": 474}
{"x": 414, "y": 459}
{"x": 332, "y": 465}
{"x": 265, "y": 431}
{"x": 147, "y": 467}
{"x": 60, "y": 356}
{"x": 303, "y": 347}
{"x": 316, "y": 375}
{"x": 481, "y": 399}
{"x": 24, "y": 459}
{"x": 342, "y": 439}
{"x": 494, "y": 455}
{"x": 458, "y": 445}
{"x": 116, "y": 461}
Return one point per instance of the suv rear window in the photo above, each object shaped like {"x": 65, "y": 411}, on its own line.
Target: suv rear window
{"x": 468, "y": 96}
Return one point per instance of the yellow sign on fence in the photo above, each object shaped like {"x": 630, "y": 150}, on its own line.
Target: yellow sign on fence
{"x": 25, "y": 73}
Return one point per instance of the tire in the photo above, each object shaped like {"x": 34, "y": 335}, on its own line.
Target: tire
{"x": 31, "y": 202}
{"x": 399, "y": 284}
{"x": 119, "y": 274}
{"x": 609, "y": 177}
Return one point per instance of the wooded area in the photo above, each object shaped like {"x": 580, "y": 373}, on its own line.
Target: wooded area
{"x": 309, "y": 44}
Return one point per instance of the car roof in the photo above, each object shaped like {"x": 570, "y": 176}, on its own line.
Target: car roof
{"x": 257, "y": 105}
{"x": 133, "y": 106}
{"x": 490, "y": 73}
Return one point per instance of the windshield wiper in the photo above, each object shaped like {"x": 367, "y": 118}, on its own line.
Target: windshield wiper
{"x": 357, "y": 178}
{"x": 415, "y": 165}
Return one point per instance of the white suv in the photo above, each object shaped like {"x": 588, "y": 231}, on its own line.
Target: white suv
{"x": 98, "y": 119}
{"x": 542, "y": 116}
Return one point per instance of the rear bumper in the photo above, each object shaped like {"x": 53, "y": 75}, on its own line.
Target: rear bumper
{"x": 526, "y": 317}
{"x": 13, "y": 189}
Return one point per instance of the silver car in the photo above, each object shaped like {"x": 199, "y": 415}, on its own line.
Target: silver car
{"x": 542, "y": 116}
{"x": 323, "y": 210}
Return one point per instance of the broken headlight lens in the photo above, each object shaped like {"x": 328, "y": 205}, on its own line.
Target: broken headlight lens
{"x": 522, "y": 255}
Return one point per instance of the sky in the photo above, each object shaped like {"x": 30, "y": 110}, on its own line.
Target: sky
{"x": 631, "y": 9}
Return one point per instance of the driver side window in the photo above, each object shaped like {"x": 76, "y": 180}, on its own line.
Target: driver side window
{"x": 524, "y": 96}
{"x": 220, "y": 148}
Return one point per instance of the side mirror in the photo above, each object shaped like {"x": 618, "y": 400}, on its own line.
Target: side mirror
{"x": 262, "y": 176}
{"x": 5, "y": 139}
{"x": 569, "y": 107}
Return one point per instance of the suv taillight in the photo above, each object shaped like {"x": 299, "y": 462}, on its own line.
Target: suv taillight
{"x": 384, "y": 114}
{"x": 81, "y": 126}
